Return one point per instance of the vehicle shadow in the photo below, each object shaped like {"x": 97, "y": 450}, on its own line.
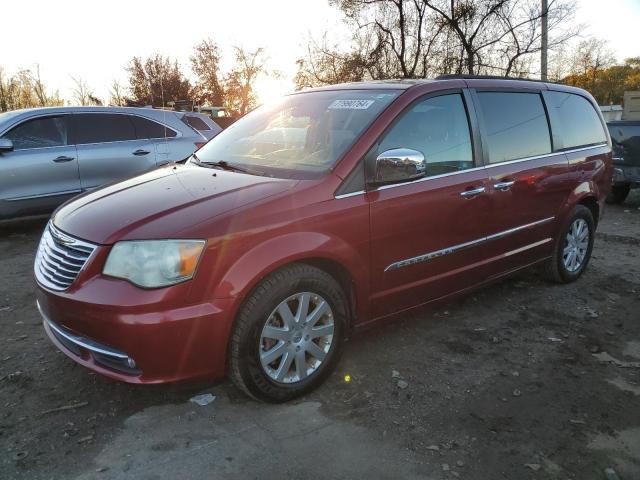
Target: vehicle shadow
{"x": 23, "y": 226}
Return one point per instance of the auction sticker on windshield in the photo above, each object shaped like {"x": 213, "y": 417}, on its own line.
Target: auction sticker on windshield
{"x": 350, "y": 104}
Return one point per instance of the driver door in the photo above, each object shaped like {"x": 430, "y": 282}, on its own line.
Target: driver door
{"x": 427, "y": 234}
{"x": 42, "y": 170}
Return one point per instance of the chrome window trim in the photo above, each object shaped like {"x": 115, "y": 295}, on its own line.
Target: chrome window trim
{"x": 36, "y": 117}
{"x": 347, "y": 195}
{"x": 491, "y": 165}
{"x": 82, "y": 341}
{"x": 462, "y": 246}
{"x": 178, "y": 133}
{"x": 42, "y": 148}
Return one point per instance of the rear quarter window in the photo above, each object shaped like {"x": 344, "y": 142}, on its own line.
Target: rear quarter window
{"x": 579, "y": 124}
{"x": 196, "y": 122}
{"x": 146, "y": 129}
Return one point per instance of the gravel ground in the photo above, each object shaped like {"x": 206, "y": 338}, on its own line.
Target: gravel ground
{"x": 520, "y": 380}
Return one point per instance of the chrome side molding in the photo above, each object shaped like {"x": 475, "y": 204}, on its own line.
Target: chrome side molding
{"x": 456, "y": 248}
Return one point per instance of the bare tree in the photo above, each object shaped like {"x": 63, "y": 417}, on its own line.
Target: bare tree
{"x": 117, "y": 97}
{"x": 592, "y": 66}
{"x": 424, "y": 38}
{"x": 591, "y": 55}
{"x": 496, "y": 35}
{"x": 82, "y": 94}
{"x": 25, "y": 89}
{"x": 392, "y": 39}
{"x": 326, "y": 65}
{"x": 522, "y": 22}
{"x": 39, "y": 88}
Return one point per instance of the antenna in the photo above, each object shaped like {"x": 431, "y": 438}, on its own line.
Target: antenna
{"x": 164, "y": 112}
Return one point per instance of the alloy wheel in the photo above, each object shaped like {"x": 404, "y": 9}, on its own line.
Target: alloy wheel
{"x": 296, "y": 337}
{"x": 576, "y": 245}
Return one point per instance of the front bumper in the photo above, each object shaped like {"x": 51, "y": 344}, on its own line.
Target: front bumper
{"x": 146, "y": 343}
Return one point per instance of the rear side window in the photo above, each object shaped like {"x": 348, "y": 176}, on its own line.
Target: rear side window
{"x": 146, "y": 128}
{"x": 515, "y": 125}
{"x": 195, "y": 122}
{"x": 39, "y": 133}
{"x": 438, "y": 128}
{"x": 580, "y": 125}
{"x": 102, "y": 127}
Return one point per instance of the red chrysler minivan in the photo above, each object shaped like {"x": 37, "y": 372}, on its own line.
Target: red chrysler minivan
{"x": 333, "y": 209}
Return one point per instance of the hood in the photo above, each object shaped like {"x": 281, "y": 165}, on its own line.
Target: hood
{"x": 162, "y": 202}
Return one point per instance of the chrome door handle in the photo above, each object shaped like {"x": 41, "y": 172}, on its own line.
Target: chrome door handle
{"x": 472, "y": 193}
{"x": 63, "y": 158}
{"x": 141, "y": 152}
{"x": 504, "y": 186}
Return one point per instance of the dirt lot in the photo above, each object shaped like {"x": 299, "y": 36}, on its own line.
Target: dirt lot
{"x": 521, "y": 380}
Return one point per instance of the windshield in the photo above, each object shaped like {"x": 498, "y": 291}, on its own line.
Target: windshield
{"x": 302, "y": 136}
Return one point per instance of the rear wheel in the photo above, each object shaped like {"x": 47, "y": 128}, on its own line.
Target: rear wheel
{"x": 573, "y": 247}
{"x": 288, "y": 335}
{"x": 618, "y": 194}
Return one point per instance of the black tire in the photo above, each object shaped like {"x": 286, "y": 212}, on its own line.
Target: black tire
{"x": 245, "y": 368}
{"x": 618, "y": 194}
{"x": 554, "y": 268}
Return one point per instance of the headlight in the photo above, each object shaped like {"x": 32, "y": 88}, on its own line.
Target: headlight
{"x": 154, "y": 263}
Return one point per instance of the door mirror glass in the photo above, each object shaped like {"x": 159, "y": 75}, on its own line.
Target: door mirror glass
{"x": 6, "y": 145}
{"x": 399, "y": 165}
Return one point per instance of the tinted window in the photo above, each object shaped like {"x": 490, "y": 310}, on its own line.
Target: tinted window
{"x": 515, "y": 125}
{"x": 195, "y": 122}
{"x": 102, "y": 127}
{"x": 626, "y": 142}
{"x": 146, "y": 128}
{"x": 39, "y": 133}
{"x": 438, "y": 128}
{"x": 579, "y": 122}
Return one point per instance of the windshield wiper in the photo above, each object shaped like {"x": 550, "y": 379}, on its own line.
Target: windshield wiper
{"x": 224, "y": 165}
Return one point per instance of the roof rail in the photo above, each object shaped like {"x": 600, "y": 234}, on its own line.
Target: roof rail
{"x": 488, "y": 77}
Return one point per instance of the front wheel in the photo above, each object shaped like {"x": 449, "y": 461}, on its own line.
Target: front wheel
{"x": 288, "y": 334}
{"x": 573, "y": 247}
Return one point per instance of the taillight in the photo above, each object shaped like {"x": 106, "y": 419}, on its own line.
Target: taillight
{"x": 199, "y": 145}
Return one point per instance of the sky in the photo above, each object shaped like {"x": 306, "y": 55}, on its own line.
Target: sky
{"x": 95, "y": 39}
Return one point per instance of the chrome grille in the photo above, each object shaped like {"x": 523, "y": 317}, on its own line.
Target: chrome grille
{"x": 60, "y": 258}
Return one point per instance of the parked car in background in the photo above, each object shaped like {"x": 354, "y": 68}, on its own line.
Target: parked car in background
{"x": 625, "y": 139}
{"x": 48, "y": 155}
{"x": 331, "y": 210}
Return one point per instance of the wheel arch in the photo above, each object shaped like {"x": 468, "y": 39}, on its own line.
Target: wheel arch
{"x": 339, "y": 273}
{"x": 340, "y": 260}
{"x": 591, "y": 203}
{"x": 588, "y": 195}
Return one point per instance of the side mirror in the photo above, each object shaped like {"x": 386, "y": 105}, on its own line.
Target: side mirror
{"x": 399, "y": 165}
{"x": 6, "y": 145}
